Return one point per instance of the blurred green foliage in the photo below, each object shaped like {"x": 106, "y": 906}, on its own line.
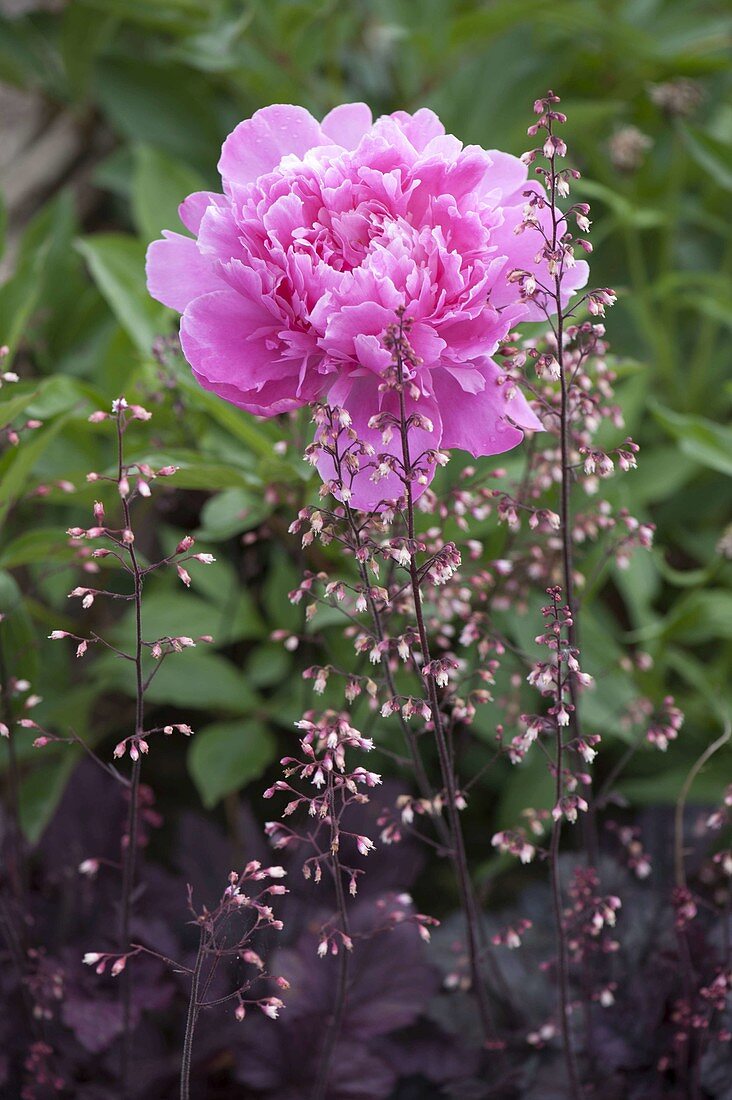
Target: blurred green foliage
{"x": 151, "y": 87}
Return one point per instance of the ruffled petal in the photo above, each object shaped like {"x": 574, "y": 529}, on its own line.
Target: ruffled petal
{"x": 507, "y": 174}
{"x": 192, "y": 209}
{"x": 347, "y": 124}
{"x": 482, "y": 423}
{"x": 177, "y": 272}
{"x": 258, "y": 144}
{"x": 227, "y": 340}
{"x": 419, "y": 128}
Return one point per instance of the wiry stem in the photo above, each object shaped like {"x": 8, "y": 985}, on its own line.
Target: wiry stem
{"x": 336, "y": 1022}
{"x": 16, "y": 864}
{"x": 465, "y": 887}
{"x": 569, "y": 596}
{"x": 679, "y": 861}
{"x": 130, "y": 854}
{"x": 558, "y": 909}
{"x": 193, "y": 1009}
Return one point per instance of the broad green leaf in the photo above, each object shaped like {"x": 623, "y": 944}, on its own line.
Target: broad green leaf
{"x": 664, "y": 786}
{"x": 84, "y": 34}
{"x": 702, "y": 616}
{"x": 527, "y": 784}
{"x": 195, "y": 679}
{"x": 626, "y": 213}
{"x": 40, "y": 544}
{"x": 215, "y": 49}
{"x": 268, "y": 665}
{"x": 259, "y": 437}
{"x": 281, "y": 579}
{"x": 474, "y": 27}
{"x": 159, "y": 185}
{"x": 195, "y": 471}
{"x": 700, "y": 439}
{"x": 14, "y": 405}
{"x": 231, "y": 512}
{"x": 167, "y": 106}
{"x": 603, "y": 706}
{"x": 17, "y": 465}
{"x": 60, "y": 394}
{"x": 20, "y": 296}
{"x": 662, "y": 471}
{"x": 117, "y": 265}
{"x": 713, "y": 156}
{"x": 180, "y": 613}
{"x": 225, "y": 756}
{"x": 41, "y": 790}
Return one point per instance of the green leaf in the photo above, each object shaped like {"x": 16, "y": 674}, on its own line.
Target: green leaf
{"x": 281, "y": 579}
{"x": 41, "y": 544}
{"x": 662, "y": 471}
{"x": 17, "y": 465}
{"x": 225, "y": 756}
{"x": 177, "y": 613}
{"x": 194, "y": 679}
{"x": 627, "y": 214}
{"x": 41, "y": 791}
{"x": 259, "y": 438}
{"x": 19, "y": 297}
{"x": 231, "y": 512}
{"x": 117, "y": 265}
{"x": 167, "y": 106}
{"x": 473, "y": 28}
{"x": 268, "y": 665}
{"x": 713, "y": 156}
{"x": 83, "y": 35}
{"x": 704, "y": 440}
{"x": 159, "y": 185}
{"x": 664, "y": 786}
{"x": 14, "y": 406}
{"x": 196, "y": 472}
{"x": 702, "y": 616}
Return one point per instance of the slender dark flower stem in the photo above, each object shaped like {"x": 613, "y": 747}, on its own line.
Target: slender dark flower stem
{"x": 130, "y": 854}
{"x": 569, "y": 597}
{"x": 558, "y": 908}
{"x": 193, "y": 1009}
{"x": 16, "y": 863}
{"x": 693, "y": 1056}
{"x": 679, "y": 861}
{"x": 336, "y": 1022}
{"x": 465, "y": 886}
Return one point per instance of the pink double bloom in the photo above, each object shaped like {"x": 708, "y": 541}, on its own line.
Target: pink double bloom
{"x": 322, "y": 232}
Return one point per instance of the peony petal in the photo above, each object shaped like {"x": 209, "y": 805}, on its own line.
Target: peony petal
{"x": 507, "y": 174}
{"x": 228, "y": 341}
{"x": 273, "y": 399}
{"x": 192, "y": 209}
{"x": 481, "y": 424}
{"x": 177, "y": 272}
{"x": 258, "y": 144}
{"x": 419, "y": 128}
{"x": 347, "y": 124}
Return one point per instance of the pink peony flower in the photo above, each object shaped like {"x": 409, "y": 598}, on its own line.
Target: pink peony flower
{"x": 322, "y": 232}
